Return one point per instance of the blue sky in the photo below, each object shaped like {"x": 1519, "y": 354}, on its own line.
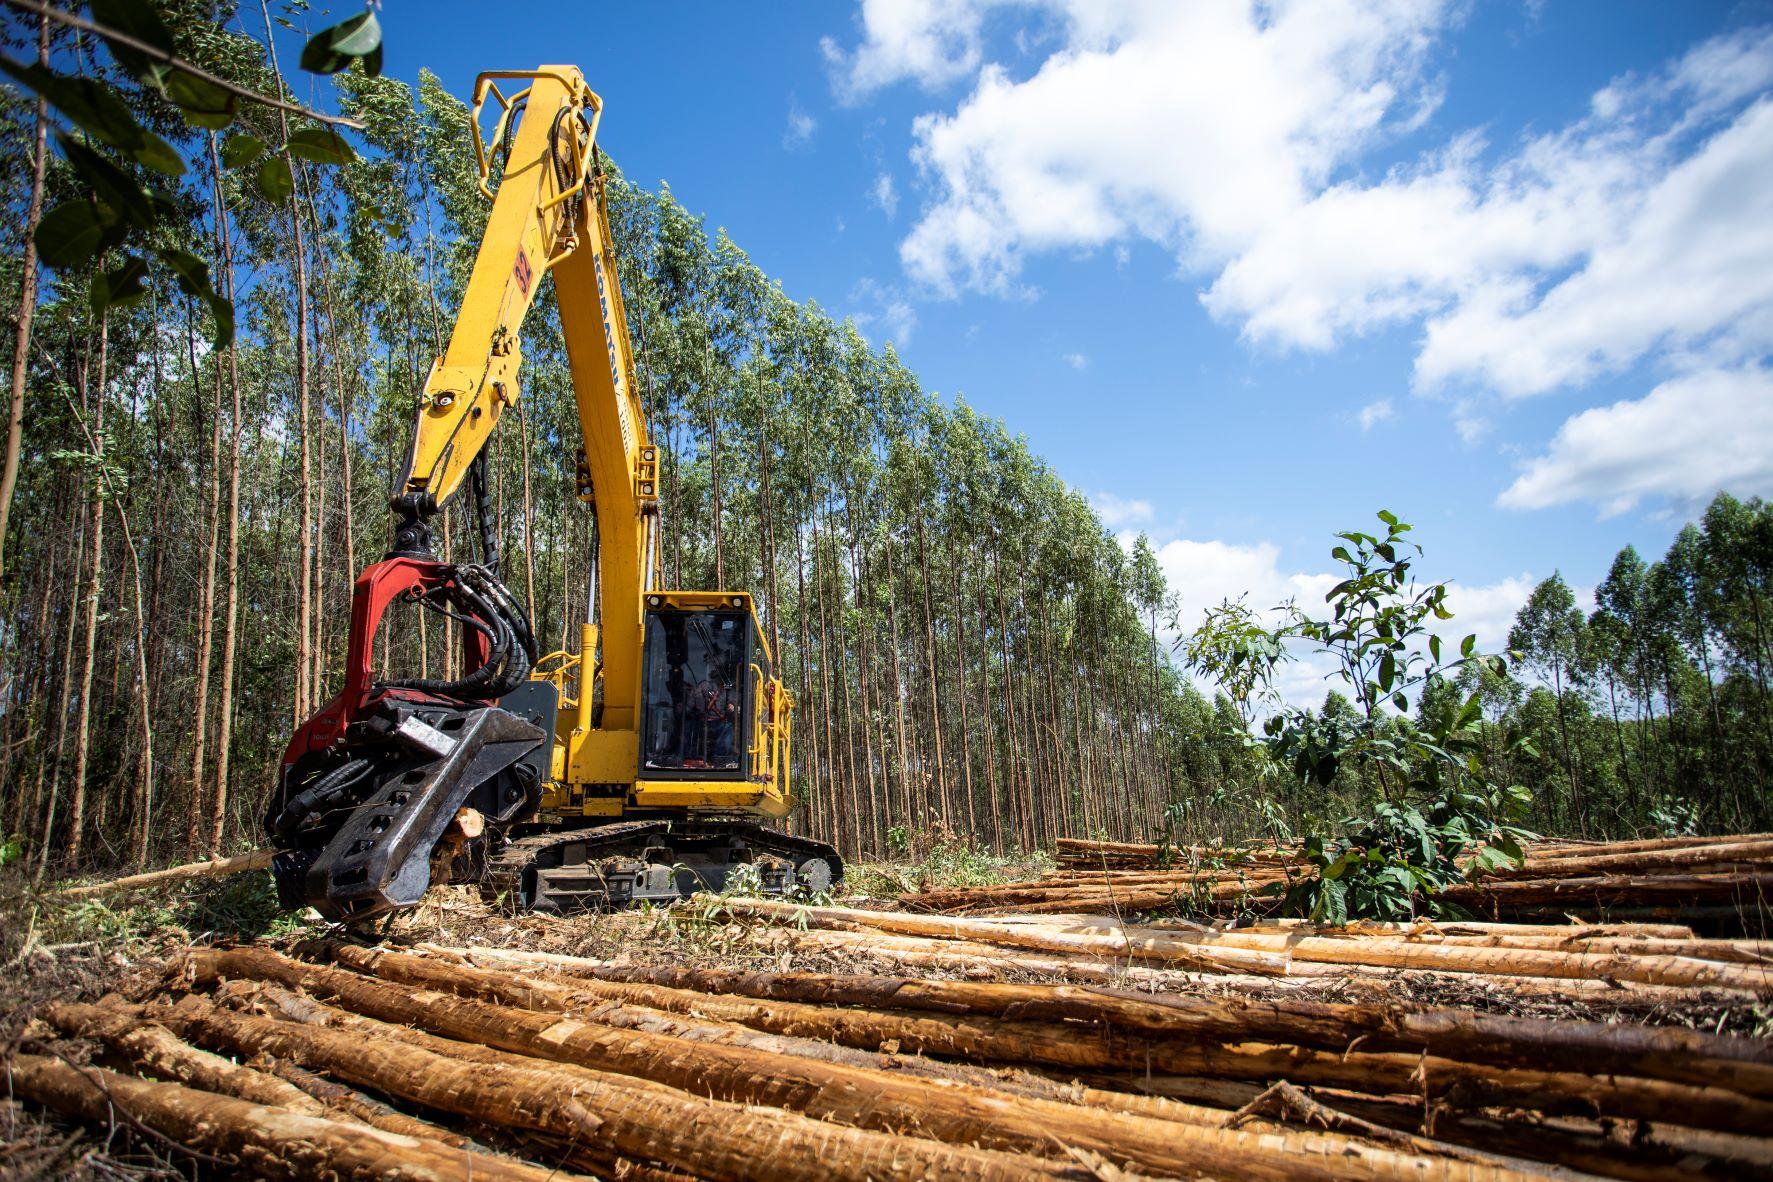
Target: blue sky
{"x": 1246, "y": 275}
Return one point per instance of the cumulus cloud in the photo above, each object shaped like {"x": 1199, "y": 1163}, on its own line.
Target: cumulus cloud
{"x": 1191, "y": 124}
{"x": 1638, "y": 237}
{"x": 1119, "y": 513}
{"x": 1693, "y": 259}
{"x": 930, "y": 41}
{"x": 1374, "y": 413}
{"x": 1688, "y": 438}
{"x": 1075, "y": 360}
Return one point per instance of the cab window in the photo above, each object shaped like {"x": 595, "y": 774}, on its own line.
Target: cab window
{"x": 694, "y": 692}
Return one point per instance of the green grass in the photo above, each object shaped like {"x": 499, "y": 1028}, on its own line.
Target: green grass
{"x": 239, "y": 907}
{"x": 945, "y": 864}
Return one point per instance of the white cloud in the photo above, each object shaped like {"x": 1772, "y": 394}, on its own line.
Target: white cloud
{"x": 801, "y": 127}
{"x": 885, "y": 195}
{"x": 1694, "y": 257}
{"x": 1075, "y": 360}
{"x": 1205, "y": 573}
{"x": 885, "y": 311}
{"x": 1119, "y": 513}
{"x": 1487, "y": 611}
{"x": 1375, "y": 413}
{"x": 1689, "y": 437}
{"x": 1233, "y": 135}
{"x": 931, "y": 41}
{"x": 1194, "y": 125}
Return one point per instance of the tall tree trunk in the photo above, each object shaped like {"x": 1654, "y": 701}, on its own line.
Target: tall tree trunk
{"x": 304, "y": 693}
{"x": 912, "y": 816}
{"x": 76, "y": 573}
{"x": 27, "y": 302}
{"x": 218, "y": 810}
{"x": 714, "y": 461}
{"x": 529, "y": 519}
{"x": 960, "y": 670}
{"x": 94, "y": 397}
{"x": 932, "y": 669}
{"x": 212, "y": 541}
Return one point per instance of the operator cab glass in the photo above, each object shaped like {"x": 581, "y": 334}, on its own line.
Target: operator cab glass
{"x": 697, "y": 692}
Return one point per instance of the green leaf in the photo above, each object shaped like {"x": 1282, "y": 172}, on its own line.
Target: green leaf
{"x": 135, "y": 19}
{"x": 1388, "y": 517}
{"x": 203, "y": 102}
{"x": 322, "y": 145}
{"x": 191, "y": 272}
{"x": 1434, "y": 648}
{"x": 1468, "y": 646}
{"x": 114, "y": 187}
{"x": 241, "y": 150}
{"x": 223, "y": 311}
{"x": 95, "y": 108}
{"x": 71, "y": 233}
{"x": 275, "y": 180}
{"x": 335, "y": 48}
{"x": 120, "y": 286}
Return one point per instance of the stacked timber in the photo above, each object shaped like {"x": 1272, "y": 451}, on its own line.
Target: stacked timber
{"x": 1076, "y": 853}
{"x": 360, "y": 1062}
{"x": 1726, "y": 881}
{"x": 1615, "y": 965}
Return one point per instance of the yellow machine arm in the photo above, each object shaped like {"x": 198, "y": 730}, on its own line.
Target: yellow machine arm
{"x": 548, "y": 215}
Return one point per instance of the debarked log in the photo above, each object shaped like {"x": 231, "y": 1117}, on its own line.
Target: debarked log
{"x": 265, "y": 1140}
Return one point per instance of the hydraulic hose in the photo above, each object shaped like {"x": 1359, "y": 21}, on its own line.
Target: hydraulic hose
{"x": 324, "y": 791}
{"x": 475, "y": 597}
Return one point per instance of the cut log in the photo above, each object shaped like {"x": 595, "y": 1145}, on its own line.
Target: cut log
{"x": 341, "y": 1101}
{"x": 215, "y": 868}
{"x": 1727, "y": 853}
{"x": 265, "y": 1140}
{"x": 951, "y": 1112}
{"x": 697, "y": 1135}
{"x": 1074, "y": 1048}
{"x": 1282, "y": 955}
{"x": 1673, "y": 1054}
{"x": 161, "y": 1052}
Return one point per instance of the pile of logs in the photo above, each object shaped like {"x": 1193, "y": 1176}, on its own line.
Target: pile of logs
{"x": 1725, "y": 881}
{"x": 1076, "y": 853}
{"x": 1616, "y": 966}
{"x": 357, "y": 1062}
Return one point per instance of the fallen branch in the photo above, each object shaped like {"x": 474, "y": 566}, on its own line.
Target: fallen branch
{"x": 215, "y": 868}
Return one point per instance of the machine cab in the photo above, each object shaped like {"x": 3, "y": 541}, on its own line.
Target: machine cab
{"x": 712, "y": 708}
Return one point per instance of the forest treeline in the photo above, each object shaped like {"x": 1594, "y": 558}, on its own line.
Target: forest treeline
{"x": 971, "y": 651}
{"x": 973, "y": 654}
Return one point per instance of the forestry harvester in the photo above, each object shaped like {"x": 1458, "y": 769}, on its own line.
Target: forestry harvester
{"x": 644, "y": 766}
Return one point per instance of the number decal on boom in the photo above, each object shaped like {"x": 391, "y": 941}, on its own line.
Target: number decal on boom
{"x": 522, "y": 272}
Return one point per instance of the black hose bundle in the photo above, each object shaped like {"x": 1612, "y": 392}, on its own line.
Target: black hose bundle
{"x": 475, "y": 598}
{"x": 326, "y": 790}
